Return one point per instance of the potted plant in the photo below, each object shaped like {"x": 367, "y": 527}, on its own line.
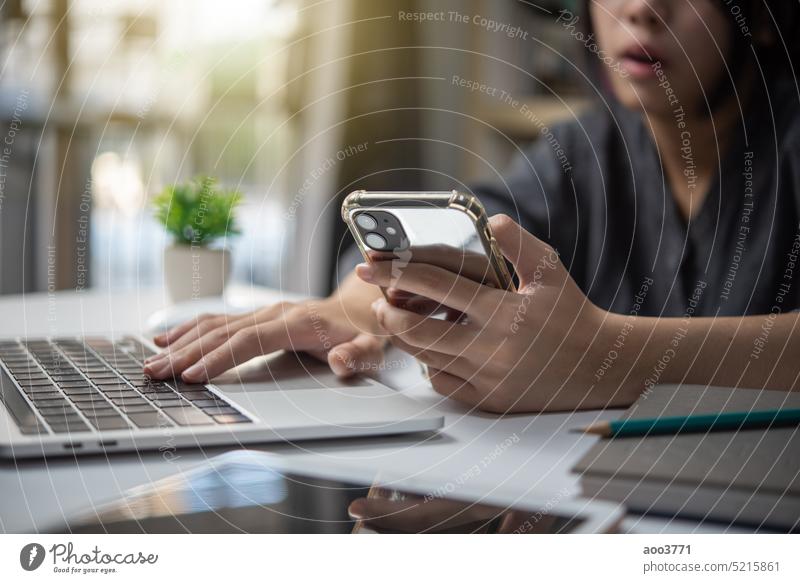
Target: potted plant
{"x": 197, "y": 214}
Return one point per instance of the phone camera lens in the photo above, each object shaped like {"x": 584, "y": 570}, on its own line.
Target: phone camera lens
{"x": 366, "y": 222}
{"x": 375, "y": 241}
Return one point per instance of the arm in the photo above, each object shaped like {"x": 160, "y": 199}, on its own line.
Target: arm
{"x": 758, "y": 352}
{"x": 548, "y": 348}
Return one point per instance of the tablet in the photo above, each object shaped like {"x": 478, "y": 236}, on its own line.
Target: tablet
{"x": 254, "y": 492}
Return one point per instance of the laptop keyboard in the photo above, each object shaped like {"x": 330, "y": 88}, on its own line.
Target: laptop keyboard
{"x": 73, "y": 385}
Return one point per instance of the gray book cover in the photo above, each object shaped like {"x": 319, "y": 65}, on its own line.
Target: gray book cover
{"x": 742, "y": 474}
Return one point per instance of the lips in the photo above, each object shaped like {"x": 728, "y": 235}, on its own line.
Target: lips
{"x": 639, "y": 60}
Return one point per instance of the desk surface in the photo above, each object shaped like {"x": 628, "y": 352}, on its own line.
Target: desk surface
{"x": 471, "y": 454}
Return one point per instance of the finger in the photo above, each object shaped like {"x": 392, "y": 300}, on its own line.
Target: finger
{"x": 393, "y": 515}
{"x": 235, "y": 322}
{"x": 241, "y": 347}
{"x": 455, "y": 365}
{"x": 441, "y": 285}
{"x": 175, "y": 361}
{"x": 364, "y": 352}
{"x": 415, "y": 303}
{"x": 176, "y": 332}
{"x": 397, "y": 296}
{"x": 193, "y": 335}
{"x": 428, "y": 333}
{"x": 533, "y": 259}
{"x": 454, "y": 388}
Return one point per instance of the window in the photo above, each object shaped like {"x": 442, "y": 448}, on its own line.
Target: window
{"x": 130, "y": 96}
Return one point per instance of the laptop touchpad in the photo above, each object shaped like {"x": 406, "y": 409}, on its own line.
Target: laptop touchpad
{"x": 283, "y": 371}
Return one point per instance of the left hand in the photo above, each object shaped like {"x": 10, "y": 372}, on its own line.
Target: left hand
{"x": 538, "y": 349}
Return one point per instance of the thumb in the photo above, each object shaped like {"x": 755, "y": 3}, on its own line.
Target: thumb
{"x": 535, "y": 261}
{"x": 363, "y": 353}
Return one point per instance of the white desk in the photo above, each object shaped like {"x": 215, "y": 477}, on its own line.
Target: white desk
{"x": 39, "y": 494}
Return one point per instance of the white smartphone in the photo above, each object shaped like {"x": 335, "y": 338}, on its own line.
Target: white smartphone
{"x": 446, "y": 229}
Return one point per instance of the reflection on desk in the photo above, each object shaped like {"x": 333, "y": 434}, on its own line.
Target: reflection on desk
{"x": 238, "y": 491}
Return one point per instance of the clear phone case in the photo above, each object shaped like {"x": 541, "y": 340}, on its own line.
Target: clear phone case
{"x": 446, "y": 229}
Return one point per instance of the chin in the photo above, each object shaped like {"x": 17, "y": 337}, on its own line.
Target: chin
{"x": 644, "y": 99}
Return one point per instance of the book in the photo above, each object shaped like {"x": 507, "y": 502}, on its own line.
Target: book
{"x": 749, "y": 476}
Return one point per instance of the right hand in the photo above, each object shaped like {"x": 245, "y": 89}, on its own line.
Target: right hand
{"x": 205, "y": 347}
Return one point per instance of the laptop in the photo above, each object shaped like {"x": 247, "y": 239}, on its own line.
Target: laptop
{"x": 84, "y": 395}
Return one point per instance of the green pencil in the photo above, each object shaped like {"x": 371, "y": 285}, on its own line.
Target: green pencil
{"x": 695, "y": 423}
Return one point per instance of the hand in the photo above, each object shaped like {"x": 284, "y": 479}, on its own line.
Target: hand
{"x": 204, "y": 347}
{"x": 538, "y": 349}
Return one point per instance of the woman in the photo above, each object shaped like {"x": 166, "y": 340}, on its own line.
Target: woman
{"x": 664, "y": 251}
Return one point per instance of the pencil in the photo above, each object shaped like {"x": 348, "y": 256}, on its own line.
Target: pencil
{"x": 695, "y": 423}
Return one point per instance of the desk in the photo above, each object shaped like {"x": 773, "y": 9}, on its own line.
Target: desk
{"x": 39, "y": 494}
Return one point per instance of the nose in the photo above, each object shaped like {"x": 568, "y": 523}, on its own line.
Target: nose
{"x": 645, "y": 13}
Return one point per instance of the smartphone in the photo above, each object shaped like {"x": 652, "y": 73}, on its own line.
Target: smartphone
{"x": 446, "y": 229}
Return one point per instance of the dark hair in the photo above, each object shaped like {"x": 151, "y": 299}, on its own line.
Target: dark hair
{"x": 760, "y": 30}
{"x": 764, "y": 31}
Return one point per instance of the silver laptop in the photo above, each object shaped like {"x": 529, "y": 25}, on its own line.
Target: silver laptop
{"x": 88, "y": 395}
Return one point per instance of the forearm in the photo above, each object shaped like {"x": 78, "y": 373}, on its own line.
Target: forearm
{"x": 753, "y": 351}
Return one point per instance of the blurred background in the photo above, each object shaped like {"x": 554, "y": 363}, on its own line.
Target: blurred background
{"x": 293, "y": 102}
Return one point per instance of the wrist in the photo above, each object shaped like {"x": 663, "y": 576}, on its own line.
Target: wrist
{"x": 622, "y": 369}
{"x": 356, "y": 311}
{"x": 661, "y": 344}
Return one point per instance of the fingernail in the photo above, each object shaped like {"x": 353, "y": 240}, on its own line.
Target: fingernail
{"x": 365, "y": 271}
{"x": 341, "y": 363}
{"x": 194, "y": 372}
{"x": 379, "y": 313}
{"x": 155, "y": 369}
{"x": 346, "y": 359}
{"x": 355, "y": 512}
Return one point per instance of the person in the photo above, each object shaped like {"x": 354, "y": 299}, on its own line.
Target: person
{"x": 655, "y": 238}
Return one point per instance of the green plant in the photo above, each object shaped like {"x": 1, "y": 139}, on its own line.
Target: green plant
{"x": 197, "y": 212}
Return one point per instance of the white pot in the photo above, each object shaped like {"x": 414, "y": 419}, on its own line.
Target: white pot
{"x": 192, "y": 272}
